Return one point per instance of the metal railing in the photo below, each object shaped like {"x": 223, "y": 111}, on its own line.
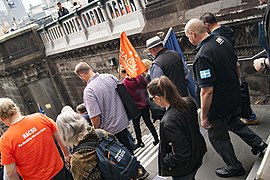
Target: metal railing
{"x": 93, "y": 23}
{"x": 258, "y": 55}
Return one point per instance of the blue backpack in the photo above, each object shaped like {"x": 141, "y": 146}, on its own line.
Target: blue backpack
{"x": 114, "y": 160}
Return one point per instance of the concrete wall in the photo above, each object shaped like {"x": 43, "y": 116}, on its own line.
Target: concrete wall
{"x": 24, "y": 73}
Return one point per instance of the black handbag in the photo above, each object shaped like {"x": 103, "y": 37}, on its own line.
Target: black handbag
{"x": 157, "y": 112}
{"x": 131, "y": 108}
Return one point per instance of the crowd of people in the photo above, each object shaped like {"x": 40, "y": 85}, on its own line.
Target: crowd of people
{"x": 37, "y": 147}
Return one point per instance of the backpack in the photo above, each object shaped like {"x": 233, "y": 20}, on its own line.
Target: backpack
{"x": 114, "y": 160}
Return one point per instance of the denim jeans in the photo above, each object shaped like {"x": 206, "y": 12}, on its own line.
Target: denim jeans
{"x": 262, "y": 37}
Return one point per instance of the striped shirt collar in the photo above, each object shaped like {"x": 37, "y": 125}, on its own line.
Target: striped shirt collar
{"x": 93, "y": 77}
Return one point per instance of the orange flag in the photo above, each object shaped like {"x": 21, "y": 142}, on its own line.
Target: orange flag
{"x": 129, "y": 58}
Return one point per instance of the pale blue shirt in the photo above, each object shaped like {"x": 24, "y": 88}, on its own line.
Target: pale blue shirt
{"x": 155, "y": 71}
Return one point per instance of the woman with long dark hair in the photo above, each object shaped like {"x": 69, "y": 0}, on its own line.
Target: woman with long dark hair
{"x": 182, "y": 146}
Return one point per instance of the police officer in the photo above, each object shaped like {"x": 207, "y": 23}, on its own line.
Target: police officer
{"x": 216, "y": 75}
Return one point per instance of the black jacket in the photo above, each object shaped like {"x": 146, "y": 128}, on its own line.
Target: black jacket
{"x": 62, "y": 12}
{"x": 226, "y": 32}
{"x": 182, "y": 146}
{"x": 172, "y": 66}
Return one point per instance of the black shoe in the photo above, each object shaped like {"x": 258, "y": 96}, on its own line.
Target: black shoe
{"x": 141, "y": 144}
{"x": 136, "y": 146}
{"x": 142, "y": 173}
{"x": 156, "y": 142}
{"x": 223, "y": 172}
{"x": 259, "y": 148}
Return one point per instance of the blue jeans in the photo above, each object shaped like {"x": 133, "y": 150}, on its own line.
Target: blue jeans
{"x": 262, "y": 37}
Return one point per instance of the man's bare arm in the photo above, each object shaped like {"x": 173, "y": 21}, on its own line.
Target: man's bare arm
{"x": 96, "y": 121}
{"x": 206, "y": 101}
{"x": 12, "y": 172}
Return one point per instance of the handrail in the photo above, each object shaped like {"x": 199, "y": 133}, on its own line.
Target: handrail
{"x": 244, "y": 59}
{"x": 253, "y": 57}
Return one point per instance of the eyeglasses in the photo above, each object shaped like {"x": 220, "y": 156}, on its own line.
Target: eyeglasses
{"x": 152, "y": 98}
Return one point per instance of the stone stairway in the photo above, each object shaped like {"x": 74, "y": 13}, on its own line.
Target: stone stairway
{"x": 211, "y": 161}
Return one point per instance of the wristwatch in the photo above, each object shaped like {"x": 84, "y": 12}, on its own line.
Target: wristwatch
{"x": 263, "y": 64}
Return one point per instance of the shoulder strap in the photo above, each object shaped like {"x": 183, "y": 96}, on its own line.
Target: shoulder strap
{"x": 100, "y": 134}
{"x": 85, "y": 145}
{"x": 89, "y": 144}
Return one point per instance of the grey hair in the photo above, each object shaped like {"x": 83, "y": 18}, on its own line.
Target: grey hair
{"x": 81, "y": 109}
{"x": 71, "y": 128}
{"x": 82, "y": 67}
{"x": 67, "y": 108}
{"x": 8, "y": 108}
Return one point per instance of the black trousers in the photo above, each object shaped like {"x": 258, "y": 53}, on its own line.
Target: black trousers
{"x": 64, "y": 173}
{"x": 220, "y": 139}
{"x": 122, "y": 137}
{"x": 145, "y": 114}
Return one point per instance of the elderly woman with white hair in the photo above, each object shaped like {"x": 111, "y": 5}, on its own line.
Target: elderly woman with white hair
{"x": 74, "y": 130}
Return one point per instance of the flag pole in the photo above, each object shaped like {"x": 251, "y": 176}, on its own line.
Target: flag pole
{"x": 167, "y": 35}
{"x": 119, "y": 64}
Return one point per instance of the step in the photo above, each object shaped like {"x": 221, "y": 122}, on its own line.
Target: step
{"x": 257, "y": 165}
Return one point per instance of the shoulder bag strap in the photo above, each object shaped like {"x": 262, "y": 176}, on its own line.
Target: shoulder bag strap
{"x": 84, "y": 145}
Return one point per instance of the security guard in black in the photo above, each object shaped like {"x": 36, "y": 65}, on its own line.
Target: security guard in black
{"x": 215, "y": 66}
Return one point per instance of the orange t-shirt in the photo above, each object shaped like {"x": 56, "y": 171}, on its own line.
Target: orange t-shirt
{"x": 29, "y": 143}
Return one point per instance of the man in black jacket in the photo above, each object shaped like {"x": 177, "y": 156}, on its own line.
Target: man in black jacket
{"x": 62, "y": 10}
{"x": 248, "y": 116}
{"x": 213, "y": 27}
{"x": 216, "y": 75}
{"x": 168, "y": 63}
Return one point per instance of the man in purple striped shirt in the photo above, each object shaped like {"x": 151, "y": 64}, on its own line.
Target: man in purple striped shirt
{"x": 103, "y": 104}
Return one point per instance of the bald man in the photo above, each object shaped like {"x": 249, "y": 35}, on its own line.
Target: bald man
{"x": 216, "y": 75}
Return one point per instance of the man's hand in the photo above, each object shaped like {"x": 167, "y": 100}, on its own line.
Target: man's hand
{"x": 67, "y": 159}
{"x": 205, "y": 123}
{"x": 257, "y": 63}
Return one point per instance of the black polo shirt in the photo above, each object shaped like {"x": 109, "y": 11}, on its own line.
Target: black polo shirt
{"x": 215, "y": 66}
